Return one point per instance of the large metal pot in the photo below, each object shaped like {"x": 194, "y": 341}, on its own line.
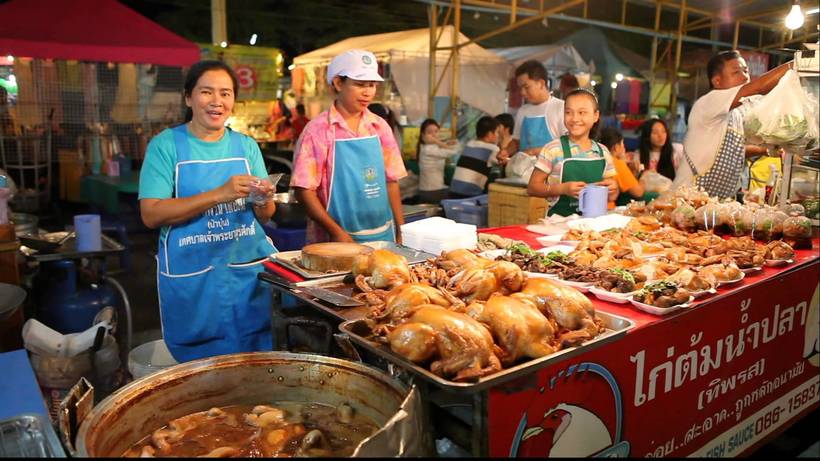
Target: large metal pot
{"x": 289, "y": 212}
{"x": 147, "y": 404}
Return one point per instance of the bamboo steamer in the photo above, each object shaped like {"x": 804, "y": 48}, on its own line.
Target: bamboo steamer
{"x": 332, "y": 256}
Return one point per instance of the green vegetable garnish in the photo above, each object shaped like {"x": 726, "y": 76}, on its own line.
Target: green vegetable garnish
{"x": 624, "y": 274}
{"x": 556, "y": 256}
{"x": 659, "y": 286}
{"x": 521, "y": 248}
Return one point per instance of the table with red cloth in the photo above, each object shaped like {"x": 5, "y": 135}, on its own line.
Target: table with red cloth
{"x": 719, "y": 378}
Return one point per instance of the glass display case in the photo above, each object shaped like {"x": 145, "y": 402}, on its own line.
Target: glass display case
{"x": 801, "y": 166}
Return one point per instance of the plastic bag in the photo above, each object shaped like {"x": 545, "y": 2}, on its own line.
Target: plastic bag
{"x": 779, "y": 117}
{"x": 520, "y": 166}
{"x": 655, "y": 182}
{"x": 683, "y": 218}
{"x": 742, "y": 219}
{"x": 797, "y": 227}
{"x": 706, "y": 217}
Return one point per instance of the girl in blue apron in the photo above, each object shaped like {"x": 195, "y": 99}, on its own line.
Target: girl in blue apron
{"x": 360, "y": 201}
{"x": 194, "y": 184}
{"x": 579, "y": 159}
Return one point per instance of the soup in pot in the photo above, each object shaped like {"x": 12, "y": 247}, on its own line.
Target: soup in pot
{"x": 284, "y": 429}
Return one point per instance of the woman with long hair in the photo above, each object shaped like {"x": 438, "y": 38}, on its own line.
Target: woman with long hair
{"x": 656, "y": 151}
{"x": 432, "y": 154}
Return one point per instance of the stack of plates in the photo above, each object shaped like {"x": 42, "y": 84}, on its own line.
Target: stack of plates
{"x": 437, "y": 234}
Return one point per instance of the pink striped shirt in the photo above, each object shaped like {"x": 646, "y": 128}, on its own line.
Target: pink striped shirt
{"x": 313, "y": 159}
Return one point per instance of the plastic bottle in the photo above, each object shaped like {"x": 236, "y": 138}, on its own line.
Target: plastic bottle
{"x": 5, "y": 192}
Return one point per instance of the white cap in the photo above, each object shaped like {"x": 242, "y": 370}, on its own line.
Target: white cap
{"x": 355, "y": 64}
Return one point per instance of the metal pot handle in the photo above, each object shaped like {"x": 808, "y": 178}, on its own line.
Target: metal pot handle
{"x": 349, "y": 350}
{"x": 73, "y": 410}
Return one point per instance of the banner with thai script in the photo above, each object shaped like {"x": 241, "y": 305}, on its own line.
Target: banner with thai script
{"x": 710, "y": 383}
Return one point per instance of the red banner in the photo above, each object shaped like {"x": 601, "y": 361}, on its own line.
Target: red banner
{"x": 713, "y": 382}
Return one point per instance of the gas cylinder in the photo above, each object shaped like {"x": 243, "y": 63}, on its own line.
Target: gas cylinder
{"x": 67, "y": 304}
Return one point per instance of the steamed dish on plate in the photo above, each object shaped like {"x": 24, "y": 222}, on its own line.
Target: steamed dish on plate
{"x": 721, "y": 272}
{"x": 620, "y": 281}
{"x": 693, "y": 281}
{"x": 663, "y": 294}
{"x": 779, "y": 250}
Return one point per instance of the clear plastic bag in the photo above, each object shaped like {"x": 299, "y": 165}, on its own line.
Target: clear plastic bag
{"x": 742, "y": 219}
{"x": 797, "y": 227}
{"x": 683, "y": 218}
{"x": 655, "y": 182}
{"x": 783, "y": 115}
{"x": 706, "y": 217}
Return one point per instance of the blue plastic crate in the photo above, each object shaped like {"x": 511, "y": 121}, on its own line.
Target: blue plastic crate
{"x": 471, "y": 210}
{"x": 285, "y": 238}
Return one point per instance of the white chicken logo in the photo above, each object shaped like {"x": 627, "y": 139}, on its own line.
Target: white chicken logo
{"x": 811, "y": 341}
{"x": 566, "y": 431}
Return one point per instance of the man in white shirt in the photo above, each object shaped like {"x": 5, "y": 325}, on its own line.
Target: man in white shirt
{"x": 714, "y": 146}
{"x": 537, "y": 122}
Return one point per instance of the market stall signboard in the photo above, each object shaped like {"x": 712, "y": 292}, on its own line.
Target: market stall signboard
{"x": 744, "y": 366}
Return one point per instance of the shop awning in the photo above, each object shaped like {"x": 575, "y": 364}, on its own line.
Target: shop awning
{"x": 89, "y": 30}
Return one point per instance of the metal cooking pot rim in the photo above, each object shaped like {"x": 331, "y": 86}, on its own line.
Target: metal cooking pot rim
{"x": 183, "y": 370}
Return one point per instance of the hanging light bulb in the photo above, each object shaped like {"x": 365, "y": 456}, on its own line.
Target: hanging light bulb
{"x": 593, "y": 82}
{"x": 224, "y": 44}
{"x": 619, "y": 76}
{"x": 253, "y": 39}
{"x": 476, "y": 15}
{"x": 613, "y": 85}
{"x": 795, "y": 18}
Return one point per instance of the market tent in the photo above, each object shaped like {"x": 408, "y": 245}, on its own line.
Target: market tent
{"x": 483, "y": 74}
{"x": 89, "y": 30}
{"x": 604, "y": 59}
{"x": 561, "y": 58}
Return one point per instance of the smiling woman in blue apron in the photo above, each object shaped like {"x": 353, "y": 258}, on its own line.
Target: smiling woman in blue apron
{"x": 569, "y": 163}
{"x": 194, "y": 184}
{"x": 347, "y": 164}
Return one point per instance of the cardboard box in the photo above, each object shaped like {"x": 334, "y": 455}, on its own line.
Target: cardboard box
{"x": 510, "y": 205}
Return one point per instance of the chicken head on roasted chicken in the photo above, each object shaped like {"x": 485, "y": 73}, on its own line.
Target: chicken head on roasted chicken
{"x": 380, "y": 269}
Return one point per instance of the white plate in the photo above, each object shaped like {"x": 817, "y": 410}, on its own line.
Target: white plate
{"x": 604, "y": 295}
{"x": 541, "y": 275}
{"x": 659, "y": 310}
{"x": 702, "y": 293}
{"x": 566, "y": 249}
{"x": 550, "y": 239}
{"x": 729, "y": 282}
{"x": 492, "y": 254}
{"x": 601, "y": 223}
{"x": 778, "y": 262}
{"x": 583, "y": 287}
{"x": 749, "y": 270}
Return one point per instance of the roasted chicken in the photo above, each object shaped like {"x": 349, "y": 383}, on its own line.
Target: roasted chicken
{"x": 461, "y": 348}
{"x": 519, "y": 328}
{"x": 571, "y": 310}
{"x": 403, "y": 300}
{"x": 380, "y": 269}
{"x": 460, "y": 259}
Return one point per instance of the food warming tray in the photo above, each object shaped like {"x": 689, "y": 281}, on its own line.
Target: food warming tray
{"x": 616, "y": 326}
{"x": 29, "y": 436}
{"x": 290, "y": 259}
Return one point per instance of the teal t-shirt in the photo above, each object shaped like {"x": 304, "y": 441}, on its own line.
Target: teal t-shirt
{"x": 159, "y": 167}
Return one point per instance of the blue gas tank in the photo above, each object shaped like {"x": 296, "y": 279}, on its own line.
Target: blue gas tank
{"x": 65, "y": 305}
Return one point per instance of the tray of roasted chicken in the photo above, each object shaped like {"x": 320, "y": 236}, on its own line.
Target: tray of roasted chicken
{"x": 361, "y": 332}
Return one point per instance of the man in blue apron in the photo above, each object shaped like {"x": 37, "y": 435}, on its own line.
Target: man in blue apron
{"x": 537, "y": 122}
{"x": 347, "y": 163}
{"x": 194, "y": 184}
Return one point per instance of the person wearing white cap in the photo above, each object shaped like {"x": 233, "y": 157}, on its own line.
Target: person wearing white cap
{"x": 347, "y": 164}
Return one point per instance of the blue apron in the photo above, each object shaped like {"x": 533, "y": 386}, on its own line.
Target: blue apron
{"x": 211, "y": 302}
{"x": 358, "y": 199}
{"x": 534, "y": 133}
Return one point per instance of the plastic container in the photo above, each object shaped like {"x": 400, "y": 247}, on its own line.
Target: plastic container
{"x": 285, "y": 238}
{"x": 471, "y": 210}
{"x": 149, "y": 358}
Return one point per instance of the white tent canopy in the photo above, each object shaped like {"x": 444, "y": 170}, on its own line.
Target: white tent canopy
{"x": 562, "y": 58}
{"x": 483, "y": 74}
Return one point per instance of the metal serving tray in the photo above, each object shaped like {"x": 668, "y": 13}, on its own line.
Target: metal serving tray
{"x": 333, "y": 283}
{"x": 290, "y": 259}
{"x": 68, "y": 250}
{"x": 616, "y": 326}
{"x": 29, "y": 436}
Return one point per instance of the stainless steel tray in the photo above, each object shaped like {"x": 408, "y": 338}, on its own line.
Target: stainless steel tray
{"x": 290, "y": 259}
{"x": 616, "y": 326}
{"x": 334, "y": 283}
{"x": 68, "y": 250}
{"x": 29, "y": 436}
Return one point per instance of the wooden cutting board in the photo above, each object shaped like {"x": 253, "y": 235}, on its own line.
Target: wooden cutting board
{"x": 331, "y": 256}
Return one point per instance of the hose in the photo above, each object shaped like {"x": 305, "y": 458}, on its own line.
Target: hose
{"x": 127, "y": 306}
